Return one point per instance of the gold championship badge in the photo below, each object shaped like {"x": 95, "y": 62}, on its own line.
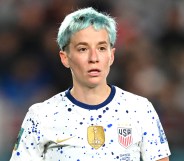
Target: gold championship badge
{"x": 96, "y": 136}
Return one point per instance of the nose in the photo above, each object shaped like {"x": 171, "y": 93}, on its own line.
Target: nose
{"x": 93, "y": 56}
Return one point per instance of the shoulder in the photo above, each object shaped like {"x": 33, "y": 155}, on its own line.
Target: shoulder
{"x": 133, "y": 101}
{"x": 130, "y": 96}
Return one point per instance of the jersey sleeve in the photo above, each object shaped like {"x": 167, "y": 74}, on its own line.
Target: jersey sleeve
{"x": 154, "y": 145}
{"x": 29, "y": 145}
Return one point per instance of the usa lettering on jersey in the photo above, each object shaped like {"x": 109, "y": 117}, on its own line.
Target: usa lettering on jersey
{"x": 125, "y": 136}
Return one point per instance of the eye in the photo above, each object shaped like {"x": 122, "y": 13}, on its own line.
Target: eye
{"x": 102, "y": 48}
{"x": 82, "y": 49}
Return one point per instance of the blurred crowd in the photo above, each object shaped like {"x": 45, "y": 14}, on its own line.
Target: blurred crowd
{"x": 149, "y": 58}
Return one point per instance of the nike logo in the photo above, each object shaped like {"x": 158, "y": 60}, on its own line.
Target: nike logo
{"x": 62, "y": 140}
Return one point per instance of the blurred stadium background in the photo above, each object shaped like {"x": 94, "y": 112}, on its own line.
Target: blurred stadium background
{"x": 149, "y": 59}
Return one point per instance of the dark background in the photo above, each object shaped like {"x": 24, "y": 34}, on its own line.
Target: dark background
{"x": 149, "y": 59}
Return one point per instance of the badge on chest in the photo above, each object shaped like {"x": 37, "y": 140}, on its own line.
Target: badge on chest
{"x": 125, "y": 136}
{"x": 96, "y": 136}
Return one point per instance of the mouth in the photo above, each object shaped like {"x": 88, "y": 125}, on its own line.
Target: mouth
{"x": 94, "y": 72}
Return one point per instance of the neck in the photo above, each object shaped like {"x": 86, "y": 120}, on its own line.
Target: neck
{"x": 91, "y": 96}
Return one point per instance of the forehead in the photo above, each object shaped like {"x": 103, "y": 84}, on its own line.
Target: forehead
{"x": 90, "y": 35}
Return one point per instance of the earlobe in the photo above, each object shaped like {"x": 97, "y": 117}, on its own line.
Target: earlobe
{"x": 64, "y": 58}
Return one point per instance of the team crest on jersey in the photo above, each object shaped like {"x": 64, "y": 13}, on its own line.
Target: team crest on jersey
{"x": 125, "y": 136}
{"x": 96, "y": 136}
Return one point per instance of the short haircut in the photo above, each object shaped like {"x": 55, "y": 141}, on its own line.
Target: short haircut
{"x": 82, "y": 19}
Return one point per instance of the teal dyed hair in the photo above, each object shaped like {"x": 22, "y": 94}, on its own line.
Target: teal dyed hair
{"x": 82, "y": 19}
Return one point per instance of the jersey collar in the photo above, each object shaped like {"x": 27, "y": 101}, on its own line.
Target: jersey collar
{"x": 91, "y": 107}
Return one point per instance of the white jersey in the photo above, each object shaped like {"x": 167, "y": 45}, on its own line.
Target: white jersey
{"x": 124, "y": 127}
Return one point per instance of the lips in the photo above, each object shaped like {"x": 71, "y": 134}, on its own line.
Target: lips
{"x": 94, "y": 72}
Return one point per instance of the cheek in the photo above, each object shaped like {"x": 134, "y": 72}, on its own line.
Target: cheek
{"x": 109, "y": 61}
{"x": 72, "y": 62}
{"x": 76, "y": 66}
{"x": 107, "y": 65}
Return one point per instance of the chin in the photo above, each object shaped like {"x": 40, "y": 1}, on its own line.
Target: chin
{"x": 94, "y": 84}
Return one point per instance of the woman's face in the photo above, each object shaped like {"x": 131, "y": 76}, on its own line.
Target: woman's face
{"x": 89, "y": 58}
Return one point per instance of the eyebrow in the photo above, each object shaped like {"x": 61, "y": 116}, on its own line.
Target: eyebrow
{"x": 81, "y": 43}
{"x": 102, "y": 42}
{"x": 85, "y": 43}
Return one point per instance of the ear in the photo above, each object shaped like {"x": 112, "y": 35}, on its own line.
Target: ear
{"x": 64, "y": 58}
{"x": 112, "y": 55}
